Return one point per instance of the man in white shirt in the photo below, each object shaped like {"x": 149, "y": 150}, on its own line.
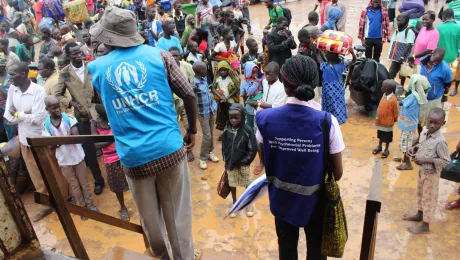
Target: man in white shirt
{"x": 25, "y": 106}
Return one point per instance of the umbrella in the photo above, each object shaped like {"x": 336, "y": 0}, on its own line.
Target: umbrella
{"x": 253, "y": 192}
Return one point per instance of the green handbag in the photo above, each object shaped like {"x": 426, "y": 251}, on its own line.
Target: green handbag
{"x": 335, "y": 231}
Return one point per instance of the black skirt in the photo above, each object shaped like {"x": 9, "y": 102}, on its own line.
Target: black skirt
{"x": 222, "y": 115}
{"x": 386, "y": 137}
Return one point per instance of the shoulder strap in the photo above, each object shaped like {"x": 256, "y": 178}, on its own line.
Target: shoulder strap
{"x": 327, "y": 155}
{"x": 48, "y": 125}
{"x": 66, "y": 119}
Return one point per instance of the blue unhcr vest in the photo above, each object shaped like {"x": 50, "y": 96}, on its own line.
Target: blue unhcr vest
{"x": 293, "y": 157}
{"x": 134, "y": 88}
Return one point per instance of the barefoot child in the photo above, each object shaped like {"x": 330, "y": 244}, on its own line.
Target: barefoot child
{"x": 70, "y": 157}
{"x": 432, "y": 155}
{"x": 226, "y": 90}
{"x": 206, "y": 109}
{"x": 115, "y": 176}
{"x": 415, "y": 97}
{"x": 239, "y": 148}
{"x": 387, "y": 115}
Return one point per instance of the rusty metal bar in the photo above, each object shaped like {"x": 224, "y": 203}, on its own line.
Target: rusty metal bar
{"x": 85, "y": 212}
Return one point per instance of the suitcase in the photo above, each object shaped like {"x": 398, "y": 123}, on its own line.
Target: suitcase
{"x": 335, "y": 41}
{"x": 76, "y": 11}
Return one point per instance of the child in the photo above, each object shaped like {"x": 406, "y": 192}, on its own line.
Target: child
{"x": 251, "y": 89}
{"x": 225, "y": 89}
{"x": 168, "y": 40}
{"x": 313, "y": 19}
{"x": 332, "y": 21}
{"x": 239, "y": 148}
{"x": 162, "y": 15}
{"x": 70, "y": 157}
{"x": 432, "y": 155}
{"x": 206, "y": 109}
{"x": 86, "y": 49}
{"x": 387, "y": 115}
{"x": 403, "y": 35}
{"x": 414, "y": 96}
{"x": 252, "y": 55}
{"x": 193, "y": 55}
{"x": 115, "y": 176}
{"x": 226, "y": 50}
{"x": 264, "y": 49}
{"x": 333, "y": 92}
{"x": 152, "y": 26}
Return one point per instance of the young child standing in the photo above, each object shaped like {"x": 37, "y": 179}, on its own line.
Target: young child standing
{"x": 387, "y": 115}
{"x": 70, "y": 157}
{"x": 206, "y": 108}
{"x": 432, "y": 155}
{"x": 251, "y": 89}
{"x": 252, "y": 55}
{"x": 333, "y": 92}
{"x": 239, "y": 148}
{"x": 414, "y": 96}
{"x": 226, "y": 89}
{"x": 115, "y": 176}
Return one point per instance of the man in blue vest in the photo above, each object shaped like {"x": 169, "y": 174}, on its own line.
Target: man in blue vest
{"x": 136, "y": 84}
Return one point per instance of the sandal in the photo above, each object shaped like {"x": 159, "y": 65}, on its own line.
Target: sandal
{"x": 453, "y": 93}
{"x": 198, "y": 254}
{"x": 404, "y": 167}
{"x": 397, "y": 160}
{"x": 377, "y": 150}
{"x": 42, "y": 214}
{"x": 259, "y": 168}
{"x": 385, "y": 154}
{"x": 124, "y": 215}
{"x": 452, "y": 205}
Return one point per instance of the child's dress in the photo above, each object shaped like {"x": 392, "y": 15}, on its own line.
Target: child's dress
{"x": 252, "y": 89}
{"x": 334, "y": 91}
{"x": 115, "y": 176}
{"x": 225, "y": 87}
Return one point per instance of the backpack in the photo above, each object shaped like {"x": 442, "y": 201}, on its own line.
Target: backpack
{"x": 367, "y": 77}
{"x": 65, "y": 117}
{"x": 287, "y": 13}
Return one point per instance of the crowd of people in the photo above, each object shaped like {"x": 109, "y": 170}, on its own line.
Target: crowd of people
{"x": 102, "y": 76}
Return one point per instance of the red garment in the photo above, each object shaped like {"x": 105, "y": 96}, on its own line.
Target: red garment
{"x": 109, "y": 152}
{"x": 38, "y": 11}
{"x": 203, "y": 46}
{"x": 385, "y": 24}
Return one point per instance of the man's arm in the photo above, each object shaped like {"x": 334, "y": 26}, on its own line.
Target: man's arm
{"x": 38, "y": 112}
{"x": 9, "y": 106}
{"x": 276, "y": 47}
{"x": 180, "y": 86}
{"x": 61, "y": 87}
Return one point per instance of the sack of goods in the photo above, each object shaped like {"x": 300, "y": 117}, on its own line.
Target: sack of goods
{"x": 76, "y": 11}
{"x": 335, "y": 41}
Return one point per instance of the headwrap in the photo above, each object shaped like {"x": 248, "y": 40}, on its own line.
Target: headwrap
{"x": 253, "y": 86}
{"x": 334, "y": 15}
{"x": 236, "y": 81}
{"x": 417, "y": 86}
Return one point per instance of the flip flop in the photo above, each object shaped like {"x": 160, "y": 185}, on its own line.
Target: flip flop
{"x": 377, "y": 150}
{"x": 452, "y": 205}
{"x": 124, "y": 214}
{"x": 453, "y": 93}
{"x": 404, "y": 167}
{"x": 385, "y": 154}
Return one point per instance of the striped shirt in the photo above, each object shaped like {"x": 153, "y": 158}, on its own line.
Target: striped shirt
{"x": 69, "y": 154}
{"x": 455, "y": 6}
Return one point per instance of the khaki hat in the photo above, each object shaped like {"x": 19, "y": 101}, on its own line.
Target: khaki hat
{"x": 117, "y": 27}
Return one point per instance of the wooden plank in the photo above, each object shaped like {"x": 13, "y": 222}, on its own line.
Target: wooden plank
{"x": 375, "y": 188}
{"x": 85, "y": 212}
{"x": 42, "y": 155}
{"x": 70, "y": 139}
{"x": 373, "y": 206}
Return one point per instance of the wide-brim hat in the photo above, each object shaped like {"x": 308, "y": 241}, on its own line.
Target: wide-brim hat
{"x": 117, "y": 27}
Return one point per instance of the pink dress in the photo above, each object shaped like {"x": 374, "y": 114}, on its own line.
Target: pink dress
{"x": 322, "y": 11}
